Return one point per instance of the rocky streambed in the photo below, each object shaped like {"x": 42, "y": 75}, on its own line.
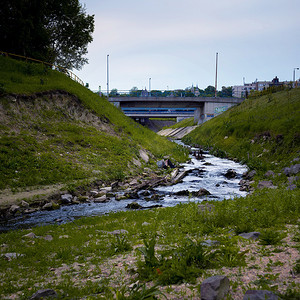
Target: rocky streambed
{"x": 204, "y": 177}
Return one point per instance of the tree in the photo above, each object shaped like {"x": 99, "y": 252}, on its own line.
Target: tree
{"x": 134, "y": 92}
{"x": 57, "y": 31}
{"x": 114, "y": 92}
{"x": 209, "y": 91}
{"x": 70, "y": 30}
{"x": 226, "y": 92}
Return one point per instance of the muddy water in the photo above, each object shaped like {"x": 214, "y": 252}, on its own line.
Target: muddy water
{"x": 206, "y": 173}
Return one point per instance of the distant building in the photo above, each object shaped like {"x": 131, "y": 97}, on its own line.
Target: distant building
{"x": 241, "y": 91}
{"x": 195, "y": 91}
{"x": 144, "y": 93}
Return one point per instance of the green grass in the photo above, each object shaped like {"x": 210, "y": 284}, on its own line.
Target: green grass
{"x": 262, "y": 132}
{"x": 166, "y": 243}
{"x": 184, "y": 123}
{"x": 42, "y": 143}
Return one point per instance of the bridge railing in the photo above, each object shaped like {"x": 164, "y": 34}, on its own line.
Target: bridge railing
{"x": 154, "y": 93}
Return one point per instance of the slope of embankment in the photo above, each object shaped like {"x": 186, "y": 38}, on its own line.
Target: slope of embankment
{"x": 54, "y": 131}
{"x": 263, "y": 132}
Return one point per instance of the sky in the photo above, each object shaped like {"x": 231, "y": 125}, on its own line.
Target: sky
{"x": 174, "y": 42}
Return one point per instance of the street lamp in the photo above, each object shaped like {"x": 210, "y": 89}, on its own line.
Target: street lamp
{"x": 294, "y": 76}
{"x": 107, "y": 75}
{"x": 149, "y": 87}
{"x": 216, "y": 79}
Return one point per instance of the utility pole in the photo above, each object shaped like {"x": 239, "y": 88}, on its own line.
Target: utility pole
{"x": 216, "y": 81}
{"x": 107, "y": 76}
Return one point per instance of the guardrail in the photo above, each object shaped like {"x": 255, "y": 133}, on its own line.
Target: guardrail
{"x": 56, "y": 67}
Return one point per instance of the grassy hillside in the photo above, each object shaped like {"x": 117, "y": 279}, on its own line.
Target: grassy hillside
{"x": 263, "y": 132}
{"x": 53, "y": 130}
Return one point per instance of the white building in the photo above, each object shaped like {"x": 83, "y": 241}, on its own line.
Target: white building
{"x": 241, "y": 91}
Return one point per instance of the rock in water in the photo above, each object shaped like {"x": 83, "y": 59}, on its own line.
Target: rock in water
{"x": 134, "y": 205}
{"x": 203, "y": 192}
{"x": 230, "y": 174}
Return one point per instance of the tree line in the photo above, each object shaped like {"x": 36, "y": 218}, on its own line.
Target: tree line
{"x": 55, "y": 31}
{"x": 188, "y": 92}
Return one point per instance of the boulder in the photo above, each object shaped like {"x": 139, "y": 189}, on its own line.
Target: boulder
{"x": 293, "y": 170}
{"x": 144, "y": 156}
{"x": 269, "y": 174}
{"x": 48, "y": 206}
{"x": 214, "y": 288}
{"x": 131, "y": 195}
{"x": 266, "y": 184}
{"x": 260, "y": 295}
{"x": 183, "y": 193}
{"x": 118, "y": 232}
{"x": 101, "y": 199}
{"x": 10, "y": 256}
{"x": 24, "y": 204}
{"x": 165, "y": 164}
{"x": 134, "y": 205}
{"x": 120, "y": 197}
{"x": 161, "y": 163}
{"x": 202, "y": 192}
{"x": 40, "y": 294}
{"x": 30, "y": 235}
{"x": 66, "y": 198}
{"x": 94, "y": 193}
{"x": 249, "y": 175}
{"x": 230, "y": 174}
{"x": 14, "y": 209}
{"x": 210, "y": 243}
{"x": 250, "y": 235}
{"x": 136, "y": 162}
{"x": 47, "y": 237}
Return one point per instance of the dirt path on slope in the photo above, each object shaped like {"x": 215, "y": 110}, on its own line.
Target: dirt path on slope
{"x": 32, "y": 194}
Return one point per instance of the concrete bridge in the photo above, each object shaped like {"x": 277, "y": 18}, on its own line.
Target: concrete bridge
{"x": 202, "y": 108}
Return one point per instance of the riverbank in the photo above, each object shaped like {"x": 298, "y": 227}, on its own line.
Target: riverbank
{"x": 203, "y": 177}
{"x": 97, "y": 257}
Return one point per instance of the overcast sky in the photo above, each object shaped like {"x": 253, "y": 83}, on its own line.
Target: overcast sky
{"x": 174, "y": 42}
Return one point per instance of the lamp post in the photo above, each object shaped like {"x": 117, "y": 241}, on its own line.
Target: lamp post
{"x": 149, "y": 87}
{"x": 294, "y": 73}
{"x": 107, "y": 75}
{"x": 216, "y": 81}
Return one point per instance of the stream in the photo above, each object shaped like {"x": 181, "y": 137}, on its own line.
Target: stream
{"x": 207, "y": 173}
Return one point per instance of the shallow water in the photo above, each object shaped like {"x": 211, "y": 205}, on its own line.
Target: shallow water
{"x": 207, "y": 173}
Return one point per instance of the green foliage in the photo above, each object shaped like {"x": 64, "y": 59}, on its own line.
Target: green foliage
{"x": 138, "y": 291}
{"x": 174, "y": 248}
{"x": 296, "y": 268}
{"x": 148, "y": 251}
{"x": 43, "y": 143}
{"x": 265, "y": 282}
{"x": 270, "y": 236}
{"x": 259, "y": 132}
{"x": 120, "y": 244}
{"x": 60, "y": 35}
{"x": 186, "y": 262}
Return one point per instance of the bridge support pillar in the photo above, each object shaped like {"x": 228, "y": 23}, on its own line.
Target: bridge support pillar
{"x": 199, "y": 116}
